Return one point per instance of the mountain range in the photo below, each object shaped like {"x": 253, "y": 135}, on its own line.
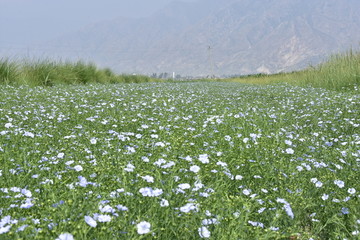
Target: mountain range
{"x": 218, "y": 37}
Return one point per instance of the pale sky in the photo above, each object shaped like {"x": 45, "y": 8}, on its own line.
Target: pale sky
{"x": 24, "y": 22}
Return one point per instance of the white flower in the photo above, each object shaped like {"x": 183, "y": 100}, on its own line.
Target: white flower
{"x": 204, "y": 158}
{"x": 78, "y": 168}
{"x": 287, "y": 207}
{"x": 69, "y": 163}
{"x": 238, "y": 177}
{"x": 188, "y": 207}
{"x": 65, "y": 236}
{"x": 29, "y": 134}
{"x": 325, "y": 197}
{"x": 160, "y": 144}
{"x": 5, "y": 229}
{"x": 184, "y": 186}
{"x": 338, "y": 166}
{"x": 122, "y": 207}
{"x": 130, "y": 149}
{"x": 93, "y": 141}
{"x": 104, "y": 218}
{"x": 143, "y": 227}
{"x": 26, "y": 192}
{"x": 82, "y": 181}
{"x": 188, "y": 158}
{"x": 60, "y": 155}
{"x": 207, "y": 222}
{"x": 27, "y": 204}
{"x": 36, "y": 221}
{"x": 227, "y": 138}
{"x": 346, "y": 199}
{"x": 275, "y": 229}
{"x": 288, "y": 142}
{"x": 149, "y": 192}
{"x": 222, "y": 164}
{"x": 208, "y": 213}
{"x": 289, "y": 151}
{"x": 339, "y": 183}
{"x": 345, "y": 210}
{"x": 198, "y": 185}
{"x": 318, "y": 184}
{"x": 106, "y": 209}
{"x": 160, "y": 162}
{"x": 351, "y": 190}
{"x": 22, "y": 228}
{"x": 261, "y": 210}
{"x": 129, "y": 168}
{"x": 15, "y": 189}
{"x": 148, "y": 178}
{"x": 90, "y": 221}
{"x": 8, "y": 125}
{"x": 168, "y": 165}
{"x": 246, "y": 192}
{"x": 256, "y": 224}
{"x": 195, "y": 169}
{"x": 254, "y": 136}
{"x": 164, "y": 203}
{"x": 313, "y": 180}
{"x": 204, "y": 232}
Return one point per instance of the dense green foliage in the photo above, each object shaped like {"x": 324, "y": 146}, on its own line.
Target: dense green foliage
{"x": 179, "y": 161}
{"x": 340, "y": 72}
{"x": 49, "y": 73}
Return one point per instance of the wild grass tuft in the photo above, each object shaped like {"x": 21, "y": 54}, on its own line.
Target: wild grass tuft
{"x": 340, "y": 72}
{"x": 49, "y": 73}
{"x": 8, "y": 71}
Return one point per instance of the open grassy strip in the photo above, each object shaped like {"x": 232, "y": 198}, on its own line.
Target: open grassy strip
{"x": 49, "y": 73}
{"x": 340, "y": 72}
{"x": 179, "y": 161}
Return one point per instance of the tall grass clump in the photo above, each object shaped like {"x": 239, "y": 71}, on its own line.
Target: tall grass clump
{"x": 339, "y": 72}
{"x": 39, "y": 73}
{"x": 49, "y": 73}
{"x": 87, "y": 73}
{"x": 8, "y": 71}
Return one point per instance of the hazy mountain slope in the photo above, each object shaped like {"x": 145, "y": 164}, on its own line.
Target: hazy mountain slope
{"x": 248, "y": 36}
{"x": 220, "y": 37}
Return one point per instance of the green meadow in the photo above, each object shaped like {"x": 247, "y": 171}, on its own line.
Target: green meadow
{"x": 84, "y": 159}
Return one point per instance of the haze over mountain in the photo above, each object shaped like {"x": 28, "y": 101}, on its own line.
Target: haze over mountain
{"x": 220, "y": 37}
